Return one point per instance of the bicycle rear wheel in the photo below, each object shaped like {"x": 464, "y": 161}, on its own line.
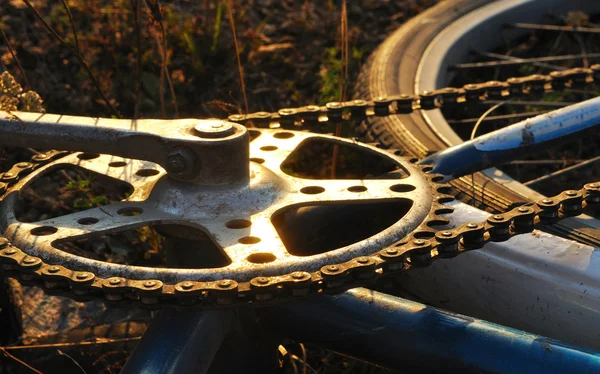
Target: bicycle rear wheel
{"x": 417, "y": 57}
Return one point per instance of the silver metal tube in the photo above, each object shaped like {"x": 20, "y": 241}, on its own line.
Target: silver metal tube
{"x": 516, "y": 140}
{"x": 535, "y": 282}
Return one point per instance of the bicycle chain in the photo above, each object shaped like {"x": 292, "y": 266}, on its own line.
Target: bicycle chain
{"x": 418, "y": 249}
{"x": 532, "y": 86}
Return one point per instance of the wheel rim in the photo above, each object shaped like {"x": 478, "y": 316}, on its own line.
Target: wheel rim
{"x": 453, "y": 45}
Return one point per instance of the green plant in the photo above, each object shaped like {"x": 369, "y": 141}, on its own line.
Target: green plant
{"x": 12, "y": 97}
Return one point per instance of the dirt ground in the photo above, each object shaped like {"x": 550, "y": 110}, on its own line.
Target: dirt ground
{"x": 151, "y": 59}
{"x": 290, "y": 52}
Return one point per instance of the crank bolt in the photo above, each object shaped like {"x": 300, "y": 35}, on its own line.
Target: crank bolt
{"x": 214, "y": 129}
{"x": 180, "y": 161}
{"x": 176, "y": 164}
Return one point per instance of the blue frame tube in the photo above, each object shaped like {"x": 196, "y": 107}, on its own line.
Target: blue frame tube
{"x": 180, "y": 342}
{"x": 405, "y": 335}
{"x": 514, "y": 141}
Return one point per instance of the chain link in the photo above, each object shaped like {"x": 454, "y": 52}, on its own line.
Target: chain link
{"x": 334, "y": 112}
{"x": 419, "y": 249}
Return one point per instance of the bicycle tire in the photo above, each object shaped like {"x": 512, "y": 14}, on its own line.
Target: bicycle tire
{"x": 393, "y": 68}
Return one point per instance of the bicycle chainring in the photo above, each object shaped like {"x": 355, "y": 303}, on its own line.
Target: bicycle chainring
{"x": 237, "y": 218}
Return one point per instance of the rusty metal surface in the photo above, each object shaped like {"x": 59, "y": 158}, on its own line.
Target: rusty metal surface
{"x": 419, "y": 247}
{"x": 216, "y": 156}
{"x": 157, "y": 199}
{"x": 261, "y": 269}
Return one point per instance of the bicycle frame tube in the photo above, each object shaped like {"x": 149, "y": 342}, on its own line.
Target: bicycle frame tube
{"x": 405, "y": 335}
{"x": 513, "y": 141}
{"x": 172, "y": 342}
{"x": 534, "y": 282}
{"x": 372, "y": 326}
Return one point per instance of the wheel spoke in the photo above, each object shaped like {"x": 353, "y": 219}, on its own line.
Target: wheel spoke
{"x": 520, "y": 61}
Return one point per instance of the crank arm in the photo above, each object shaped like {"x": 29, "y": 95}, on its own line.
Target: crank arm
{"x": 208, "y": 152}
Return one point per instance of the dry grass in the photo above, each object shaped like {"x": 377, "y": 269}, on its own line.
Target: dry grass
{"x": 160, "y": 59}
{"x": 145, "y": 58}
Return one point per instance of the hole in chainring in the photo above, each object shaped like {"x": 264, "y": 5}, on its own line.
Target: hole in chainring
{"x": 249, "y": 240}
{"x": 316, "y": 229}
{"x": 312, "y": 190}
{"x": 87, "y": 156}
{"x": 237, "y": 224}
{"x": 87, "y": 221}
{"x": 154, "y": 246}
{"x": 117, "y": 164}
{"x": 283, "y": 135}
{"x": 400, "y": 188}
{"x": 147, "y": 172}
{"x": 357, "y": 189}
{"x": 253, "y": 134}
{"x": 67, "y": 190}
{"x": 313, "y": 159}
{"x": 261, "y": 258}
{"x": 43, "y": 231}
